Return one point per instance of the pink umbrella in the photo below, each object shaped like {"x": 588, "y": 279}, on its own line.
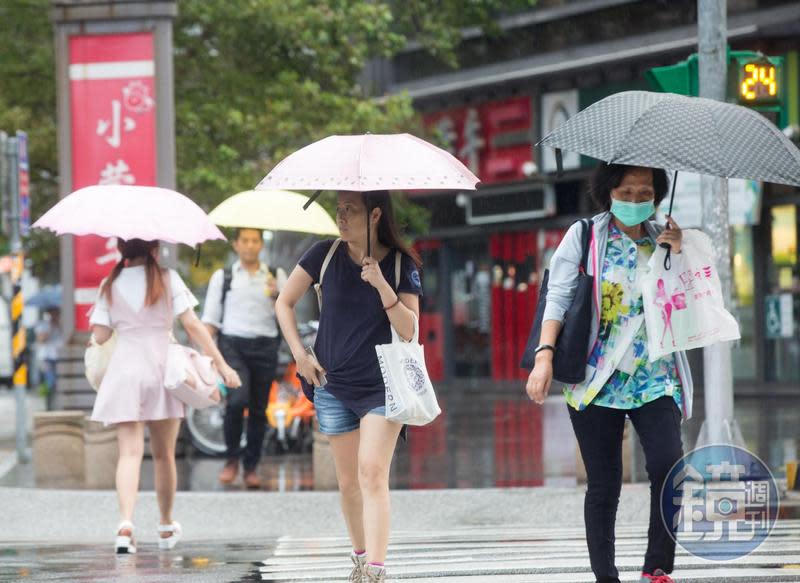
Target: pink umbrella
{"x": 131, "y": 212}
{"x": 370, "y": 162}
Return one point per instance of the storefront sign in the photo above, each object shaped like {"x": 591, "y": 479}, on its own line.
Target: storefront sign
{"x": 556, "y": 109}
{"x": 493, "y": 138}
{"x": 112, "y": 97}
{"x": 744, "y": 202}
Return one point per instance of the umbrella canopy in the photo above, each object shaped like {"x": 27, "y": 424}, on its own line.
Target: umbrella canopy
{"x": 131, "y": 212}
{"x": 370, "y": 162}
{"x": 679, "y": 133}
{"x": 47, "y": 298}
{"x": 273, "y": 210}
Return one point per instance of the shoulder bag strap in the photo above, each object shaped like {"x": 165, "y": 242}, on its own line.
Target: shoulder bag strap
{"x": 586, "y": 240}
{"x": 323, "y": 269}
{"x": 328, "y": 258}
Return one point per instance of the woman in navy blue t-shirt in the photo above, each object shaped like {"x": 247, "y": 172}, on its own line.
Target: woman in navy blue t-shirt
{"x": 360, "y": 304}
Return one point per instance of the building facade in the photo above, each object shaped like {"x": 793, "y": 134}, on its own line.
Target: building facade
{"x": 486, "y": 251}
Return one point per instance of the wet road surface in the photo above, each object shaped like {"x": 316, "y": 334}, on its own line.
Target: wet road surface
{"x": 192, "y": 562}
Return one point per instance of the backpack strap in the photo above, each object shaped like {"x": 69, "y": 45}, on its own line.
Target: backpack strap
{"x": 323, "y": 269}
{"x": 227, "y": 279}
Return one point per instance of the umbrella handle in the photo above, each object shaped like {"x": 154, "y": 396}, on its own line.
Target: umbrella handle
{"x": 667, "y": 257}
{"x": 311, "y": 199}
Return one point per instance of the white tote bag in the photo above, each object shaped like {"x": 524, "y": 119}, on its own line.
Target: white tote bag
{"x": 410, "y": 398}
{"x": 96, "y": 359}
{"x": 683, "y": 306}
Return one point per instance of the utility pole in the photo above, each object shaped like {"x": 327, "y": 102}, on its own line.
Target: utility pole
{"x": 719, "y": 426}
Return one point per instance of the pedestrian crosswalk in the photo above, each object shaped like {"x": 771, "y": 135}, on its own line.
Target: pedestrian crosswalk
{"x": 523, "y": 555}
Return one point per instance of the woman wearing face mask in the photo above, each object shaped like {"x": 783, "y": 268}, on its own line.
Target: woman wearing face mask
{"x": 360, "y": 304}
{"x": 620, "y": 379}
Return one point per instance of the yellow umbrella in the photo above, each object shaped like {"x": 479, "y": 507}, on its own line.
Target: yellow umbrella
{"x": 273, "y": 210}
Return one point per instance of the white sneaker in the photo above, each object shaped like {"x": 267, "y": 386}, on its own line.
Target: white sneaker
{"x": 359, "y": 561}
{"x": 373, "y": 574}
{"x": 168, "y": 543}
{"x": 124, "y": 544}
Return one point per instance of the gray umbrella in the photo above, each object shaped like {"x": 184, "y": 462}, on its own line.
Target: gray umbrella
{"x": 679, "y": 133}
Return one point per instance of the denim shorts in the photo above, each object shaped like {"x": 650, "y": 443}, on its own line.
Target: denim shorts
{"x": 334, "y": 417}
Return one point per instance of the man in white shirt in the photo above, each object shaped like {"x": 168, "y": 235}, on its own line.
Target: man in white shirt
{"x": 240, "y": 309}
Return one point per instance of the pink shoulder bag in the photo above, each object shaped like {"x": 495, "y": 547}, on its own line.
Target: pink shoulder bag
{"x": 188, "y": 375}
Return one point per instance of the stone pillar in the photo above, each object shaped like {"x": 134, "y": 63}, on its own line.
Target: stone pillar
{"x": 101, "y": 454}
{"x": 58, "y": 450}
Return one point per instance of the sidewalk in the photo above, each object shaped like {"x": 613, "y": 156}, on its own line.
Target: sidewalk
{"x": 88, "y": 516}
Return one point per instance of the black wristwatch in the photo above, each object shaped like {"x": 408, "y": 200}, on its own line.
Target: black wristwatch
{"x": 544, "y": 347}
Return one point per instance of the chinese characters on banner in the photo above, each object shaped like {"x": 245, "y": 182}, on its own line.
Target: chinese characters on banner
{"x": 112, "y": 97}
{"x": 493, "y": 139}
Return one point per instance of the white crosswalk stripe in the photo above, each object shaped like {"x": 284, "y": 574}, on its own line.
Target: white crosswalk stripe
{"x": 524, "y": 555}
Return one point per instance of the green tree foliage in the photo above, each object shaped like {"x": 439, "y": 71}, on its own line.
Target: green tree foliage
{"x": 254, "y": 80}
{"x": 28, "y": 102}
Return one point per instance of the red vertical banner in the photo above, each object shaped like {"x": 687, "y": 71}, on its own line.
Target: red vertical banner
{"x": 113, "y": 125}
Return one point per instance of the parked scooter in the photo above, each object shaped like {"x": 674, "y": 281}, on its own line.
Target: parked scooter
{"x": 289, "y": 412}
{"x": 290, "y": 415}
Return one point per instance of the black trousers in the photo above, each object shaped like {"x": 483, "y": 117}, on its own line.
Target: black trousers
{"x": 255, "y": 359}
{"x": 599, "y": 432}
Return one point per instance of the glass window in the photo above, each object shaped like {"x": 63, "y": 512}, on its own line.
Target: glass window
{"x": 783, "y": 297}
{"x": 743, "y": 303}
{"x": 471, "y": 284}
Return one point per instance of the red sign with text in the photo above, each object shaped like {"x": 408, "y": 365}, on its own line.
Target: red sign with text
{"x": 112, "y": 98}
{"x": 493, "y": 138}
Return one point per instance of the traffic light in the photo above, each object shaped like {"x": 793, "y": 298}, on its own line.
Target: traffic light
{"x": 680, "y": 78}
{"x": 754, "y": 80}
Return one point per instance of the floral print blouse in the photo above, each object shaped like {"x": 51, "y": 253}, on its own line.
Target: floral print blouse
{"x": 636, "y": 380}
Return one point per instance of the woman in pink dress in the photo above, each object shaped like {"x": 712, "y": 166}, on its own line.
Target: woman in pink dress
{"x": 140, "y": 301}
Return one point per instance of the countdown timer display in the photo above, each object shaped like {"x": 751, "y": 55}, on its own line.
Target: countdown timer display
{"x": 758, "y": 83}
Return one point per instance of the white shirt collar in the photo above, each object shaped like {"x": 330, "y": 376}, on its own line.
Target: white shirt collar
{"x": 237, "y": 266}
